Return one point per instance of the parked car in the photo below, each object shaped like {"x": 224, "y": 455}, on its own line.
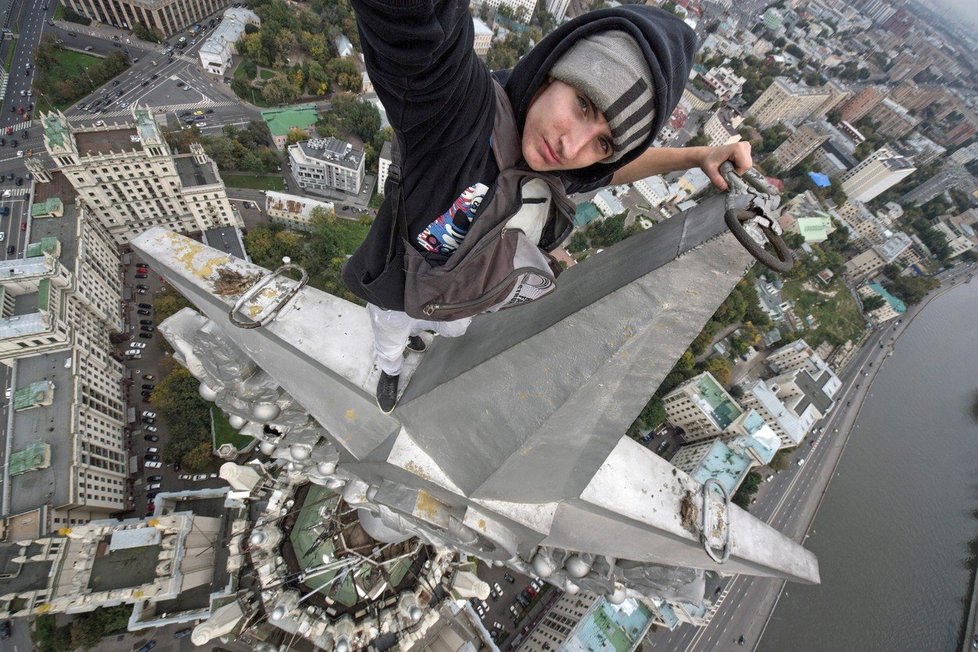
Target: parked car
{"x": 145, "y": 306}
{"x": 155, "y": 486}
{"x": 146, "y": 322}
{"x": 152, "y": 428}
{"x": 140, "y": 286}
{"x": 141, "y": 276}
{"x": 139, "y": 345}
{"x": 148, "y": 414}
{"x": 133, "y": 351}
{"x": 154, "y": 478}
{"x": 5, "y": 630}
{"x": 143, "y": 312}
{"x": 12, "y": 249}
{"x": 153, "y": 438}
{"x": 146, "y": 329}
{"x": 146, "y": 336}
{"x": 148, "y": 386}
{"x": 149, "y": 646}
{"x": 509, "y": 578}
{"x": 184, "y": 476}
{"x": 153, "y": 465}
{"x": 183, "y": 633}
{"x": 149, "y": 457}
{"x": 148, "y": 376}
{"x": 199, "y": 476}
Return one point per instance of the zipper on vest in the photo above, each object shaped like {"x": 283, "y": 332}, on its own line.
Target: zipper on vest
{"x": 432, "y": 308}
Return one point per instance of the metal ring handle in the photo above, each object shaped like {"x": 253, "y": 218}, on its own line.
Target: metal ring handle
{"x": 781, "y": 261}
{"x": 260, "y": 285}
{"x": 725, "y": 553}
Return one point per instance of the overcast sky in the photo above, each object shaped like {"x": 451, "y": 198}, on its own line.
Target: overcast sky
{"x": 967, "y": 9}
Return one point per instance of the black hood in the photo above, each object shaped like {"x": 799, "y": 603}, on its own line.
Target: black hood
{"x": 668, "y": 44}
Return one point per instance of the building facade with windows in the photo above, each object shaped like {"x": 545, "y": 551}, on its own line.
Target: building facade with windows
{"x": 130, "y": 180}
{"x": 67, "y": 441}
{"x": 165, "y": 16}
{"x": 217, "y": 52}
{"x": 877, "y": 173}
{"x": 701, "y": 407}
{"x": 294, "y": 211}
{"x": 327, "y": 165}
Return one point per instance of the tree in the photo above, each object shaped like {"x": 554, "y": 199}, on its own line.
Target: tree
{"x": 169, "y": 302}
{"x": 911, "y": 289}
{"x": 720, "y": 369}
{"x": 199, "y": 458}
{"x": 873, "y": 302}
{"x": 279, "y": 90}
{"x": 185, "y": 413}
{"x": 781, "y": 460}
{"x": 653, "y": 414}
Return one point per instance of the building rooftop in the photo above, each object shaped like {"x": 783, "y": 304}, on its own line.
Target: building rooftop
{"x": 615, "y": 628}
{"x": 18, "y": 578}
{"x": 230, "y": 29}
{"x": 46, "y": 424}
{"x": 280, "y": 121}
{"x": 124, "y": 567}
{"x": 332, "y": 150}
{"x": 103, "y": 141}
{"x": 723, "y": 465}
{"x": 716, "y": 402}
{"x": 193, "y": 173}
{"x": 896, "y": 304}
{"x": 227, "y": 239}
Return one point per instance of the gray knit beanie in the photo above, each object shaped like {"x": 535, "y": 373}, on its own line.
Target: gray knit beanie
{"x": 611, "y": 70}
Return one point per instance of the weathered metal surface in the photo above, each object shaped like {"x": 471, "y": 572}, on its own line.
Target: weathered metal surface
{"x": 509, "y": 441}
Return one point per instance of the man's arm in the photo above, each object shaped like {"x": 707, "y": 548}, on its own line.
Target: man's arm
{"x": 661, "y": 160}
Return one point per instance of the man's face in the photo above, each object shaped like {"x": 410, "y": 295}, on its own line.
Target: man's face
{"x": 564, "y": 130}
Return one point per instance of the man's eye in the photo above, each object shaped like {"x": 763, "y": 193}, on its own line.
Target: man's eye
{"x": 583, "y": 104}
{"x": 605, "y": 146}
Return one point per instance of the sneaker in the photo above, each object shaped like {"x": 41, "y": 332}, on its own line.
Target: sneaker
{"x": 416, "y": 344}
{"x": 387, "y": 392}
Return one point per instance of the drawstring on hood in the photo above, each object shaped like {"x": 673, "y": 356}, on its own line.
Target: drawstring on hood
{"x": 667, "y": 43}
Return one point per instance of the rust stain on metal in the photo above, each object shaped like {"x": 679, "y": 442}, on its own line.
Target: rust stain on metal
{"x": 428, "y": 506}
{"x": 482, "y": 524}
{"x": 231, "y": 281}
{"x": 186, "y": 251}
{"x": 688, "y": 512}
{"x": 350, "y": 415}
{"x": 416, "y": 469}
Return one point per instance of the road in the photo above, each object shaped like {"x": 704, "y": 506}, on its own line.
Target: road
{"x": 27, "y": 18}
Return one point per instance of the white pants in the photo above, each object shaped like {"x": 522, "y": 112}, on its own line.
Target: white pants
{"x": 392, "y": 330}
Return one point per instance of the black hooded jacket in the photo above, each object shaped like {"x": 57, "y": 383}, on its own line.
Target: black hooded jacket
{"x": 439, "y": 99}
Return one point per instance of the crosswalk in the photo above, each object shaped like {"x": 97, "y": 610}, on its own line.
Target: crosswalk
{"x": 4, "y": 78}
{"x": 122, "y": 113}
{"x": 15, "y": 192}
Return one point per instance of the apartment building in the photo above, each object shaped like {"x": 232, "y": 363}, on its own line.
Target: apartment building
{"x": 786, "y": 100}
{"x": 803, "y": 141}
{"x": 960, "y": 236}
{"x": 130, "y": 180}
{"x": 861, "y": 103}
{"x": 67, "y": 445}
{"x": 326, "y": 165}
{"x": 721, "y": 128}
{"x": 872, "y": 261}
{"x": 384, "y": 166}
{"x": 576, "y": 620}
{"x": 951, "y": 175}
{"x": 165, "y": 16}
{"x": 522, "y": 9}
{"x": 294, "y": 211}
{"x": 892, "y": 120}
{"x": 701, "y": 407}
{"x": 482, "y": 37}
{"x": 892, "y": 307}
{"x": 879, "y": 172}
{"x": 868, "y": 228}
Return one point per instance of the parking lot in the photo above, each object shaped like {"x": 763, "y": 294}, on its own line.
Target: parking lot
{"x": 146, "y": 363}
{"x": 514, "y": 604}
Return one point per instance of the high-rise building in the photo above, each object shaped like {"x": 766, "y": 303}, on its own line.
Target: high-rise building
{"x": 67, "y": 412}
{"x": 558, "y": 9}
{"x": 217, "y": 52}
{"x": 701, "y": 407}
{"x": 130, "y": 180}
{"x": 721, "y": 128}
{"x": 880, "y": 171}
{"x": 165, "y": 16}
{"x": 523, "y": 9}
{"x": 787, "y": 100}
{"x": 862, "y": 103}
{"x": 803, "y": 141}
{"x": 869, "y": 230}
{"x": 892, "y": 120}
{"x": 951, "y": 175}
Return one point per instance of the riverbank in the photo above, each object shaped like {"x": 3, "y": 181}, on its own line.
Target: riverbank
{"x": 838, "y": 429}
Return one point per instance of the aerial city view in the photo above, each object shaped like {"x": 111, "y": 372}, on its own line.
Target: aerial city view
{"x": 287, "y": 364}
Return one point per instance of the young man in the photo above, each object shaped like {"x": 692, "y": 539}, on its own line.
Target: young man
{"x": 588, "y": 101}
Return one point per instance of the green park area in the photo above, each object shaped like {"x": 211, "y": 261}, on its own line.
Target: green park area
{"x": 64, "y": 76}
{"x": 225, "y": 434}
{"x": 835, "y": 313}
{"x": 263, "y": 182}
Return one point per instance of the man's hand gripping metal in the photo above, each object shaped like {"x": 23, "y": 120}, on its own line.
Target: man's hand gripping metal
{"x": 752, "y": 215}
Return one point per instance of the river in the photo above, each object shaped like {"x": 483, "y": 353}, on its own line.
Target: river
{"x": 892, "y": 533}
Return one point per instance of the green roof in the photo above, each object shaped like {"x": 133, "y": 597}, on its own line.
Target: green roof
{"x": 46, "y": 208}
{"x": 814, "y": 229}
{"x": 896, "y": 304}
{"x": 43, "y": 293}
{"x": 281, "y": 121}
{"x": 40, "y": 392}
{"x": 37, "y": 455}
{"x": 47, "y": 245}
{"x": 718, "y": 404}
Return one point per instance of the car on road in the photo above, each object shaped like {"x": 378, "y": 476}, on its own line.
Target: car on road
{"x": 11, "y": 249}
{"x": 201, "y": 124}
{"x": 143, "y": 312}
{"x": 151, "y": 438}
{"x": 149, "y": 646}
{"x": 800, "y": 462}
{"x": 88, "y": 48}
{"x": 209, "y": 111}
{"x": 183, "y": 633}
{"x": 20, "y": 153}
